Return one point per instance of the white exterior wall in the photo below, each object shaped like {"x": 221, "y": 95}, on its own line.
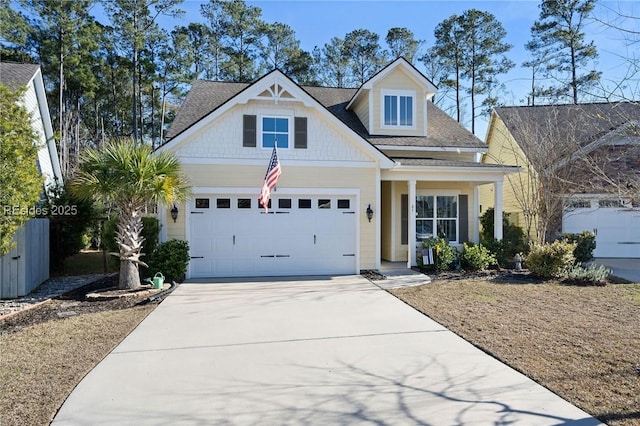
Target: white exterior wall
{"x": 222, "y": 139}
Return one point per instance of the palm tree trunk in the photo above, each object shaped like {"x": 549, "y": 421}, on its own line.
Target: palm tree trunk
{"x": 129, "y": 275}
{"x": 129, "y": 239}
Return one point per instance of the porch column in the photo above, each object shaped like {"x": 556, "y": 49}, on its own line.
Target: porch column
{"x": 497, "y": 210}
{"x": 476, "y": 215}
{"x": 411, "y": 211}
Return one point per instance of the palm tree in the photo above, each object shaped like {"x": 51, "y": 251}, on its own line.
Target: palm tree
{"x": 129, "y": 176}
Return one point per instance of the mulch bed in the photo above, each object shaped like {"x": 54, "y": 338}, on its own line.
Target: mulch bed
{"x": 77, "y": 302}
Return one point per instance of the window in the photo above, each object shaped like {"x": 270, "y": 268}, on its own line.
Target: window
{"x": 202, "y": 203}
{"x": 324, "y": 204}
{"x": 223, "y": 203}
{"x": 610, "y": 204}
{"x": 284, "y": 203}
{"x": 437, "y": 216}
{"x": 344, "y": 204}
{"x": 275, "y": 129}
{"x": 579, "y": 204}
{"x": 398, "y": 109}
{"x": 261, "y": 206}
{"x": 244, "y": 203}
{"x": 304, "y": 203}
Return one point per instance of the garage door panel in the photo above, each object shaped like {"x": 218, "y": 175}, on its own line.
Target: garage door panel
{"x": 617, "y": 230}
{"x": 290, "y": 239}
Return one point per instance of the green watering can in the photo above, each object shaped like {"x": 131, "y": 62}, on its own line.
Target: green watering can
{"x": 158, "y": 280}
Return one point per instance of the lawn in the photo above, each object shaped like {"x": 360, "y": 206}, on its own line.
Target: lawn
{"x": 583, "y": 343}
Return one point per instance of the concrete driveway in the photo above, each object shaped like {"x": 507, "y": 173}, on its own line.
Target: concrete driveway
{"x": 629, "y": 269}
{"x": 321, "y": 351}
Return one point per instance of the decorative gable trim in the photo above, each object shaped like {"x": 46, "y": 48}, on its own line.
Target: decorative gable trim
{"x": 277, "y": 87}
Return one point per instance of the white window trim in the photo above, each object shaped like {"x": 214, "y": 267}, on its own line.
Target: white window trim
{"x": 442, "y": 193}
{"x": 398, "y": 93}
{"x": 289, "y": 130}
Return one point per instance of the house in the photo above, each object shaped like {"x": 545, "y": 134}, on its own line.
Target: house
{"x": 26, "y": 267}
{"x": 383, "y": 149}
{"x": 588, "y": 157}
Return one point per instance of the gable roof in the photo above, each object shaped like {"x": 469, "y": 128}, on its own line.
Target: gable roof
{"x": 400, "y": 62}
{"x": 207, "y": 96}
{"x": 15, "y": 74}
{"x": 601, "y": 141}
{"x": 582, "y": 123}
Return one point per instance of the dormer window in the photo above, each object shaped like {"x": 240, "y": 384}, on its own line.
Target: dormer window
{"x": 398, "y": 108}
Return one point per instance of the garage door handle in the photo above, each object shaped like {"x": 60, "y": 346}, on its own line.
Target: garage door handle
{"x": 595, "y": 231}
{"x": 314, "y": 239}
{"x": 15, "y": 257}
{"x": 197, "y": 257}
{"x": 234, "y": 240}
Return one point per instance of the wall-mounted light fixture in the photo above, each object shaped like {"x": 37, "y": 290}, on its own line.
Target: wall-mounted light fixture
{"x": 174, "y": 213}
{"x": 369, "y": 213}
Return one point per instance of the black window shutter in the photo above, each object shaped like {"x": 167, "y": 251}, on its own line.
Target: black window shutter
{"x": 300, "y": 129}
{"x": 249, "y": 131}
{"x": 404, "y": 219}
{"x": 463, "y": 222}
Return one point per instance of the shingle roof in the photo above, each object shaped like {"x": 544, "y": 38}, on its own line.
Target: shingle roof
{"x": 577, "y": 126}
{"x": 442, "y": 130}
{"x": 582, "y": 123}
{"x": 14, "y": 74}
{"x": 435, "y": 162}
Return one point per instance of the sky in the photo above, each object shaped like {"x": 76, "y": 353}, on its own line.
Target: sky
{"x": 315, "y": 22}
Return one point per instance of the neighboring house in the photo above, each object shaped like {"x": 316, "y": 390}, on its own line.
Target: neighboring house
{"x": 383, "y": 147}
{"x": 590, "y": 154}
{"x": 27, "y": 266}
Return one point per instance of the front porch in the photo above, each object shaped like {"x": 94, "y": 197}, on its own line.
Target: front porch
{"x": 419, "y": 204}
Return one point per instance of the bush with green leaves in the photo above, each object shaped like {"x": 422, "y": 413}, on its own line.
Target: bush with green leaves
{"x": 477, "y": 257}
{"x": 551, "y": 260}
{"x": 150, "y": 233}
{"x": 170, "y": 259}
{"x": 513, "y": 240}
{"x": 444, "y": 255}
{"x": 69, "y": 220}
{"x": 585, "y": 245}
{"x": 592, "y": 275}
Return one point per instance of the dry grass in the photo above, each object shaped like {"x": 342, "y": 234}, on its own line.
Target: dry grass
{"x": 583, "y": 343}
{"x": 41, "y": 364}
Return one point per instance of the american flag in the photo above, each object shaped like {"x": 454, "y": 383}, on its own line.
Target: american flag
{"x": 271, "y": 178}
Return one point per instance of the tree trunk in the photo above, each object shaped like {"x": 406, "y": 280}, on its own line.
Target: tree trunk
{"x": 129, "y": 239}
{"x": 129, "y": 275}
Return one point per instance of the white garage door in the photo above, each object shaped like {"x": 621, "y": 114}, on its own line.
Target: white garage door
{"x": 230, "y": 236}
{"x": 617, "y": 229}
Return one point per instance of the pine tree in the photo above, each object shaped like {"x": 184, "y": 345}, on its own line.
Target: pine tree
{"x": 402, "y": 42}
{"x": 559, "y": 37}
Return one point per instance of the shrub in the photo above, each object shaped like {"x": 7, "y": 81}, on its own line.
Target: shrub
{"x": 477, "y": 257}
{"x": 513, "y": 240}
{"x": 551, "y": 260}
{"x": 150, "y": 232}
{"x": 170, "y": 258}
{"x": 585, "y": 245}
{"x": 69, "y": 220}
{"x": 444, "y": 255}
{"x": 593, "y": 275}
